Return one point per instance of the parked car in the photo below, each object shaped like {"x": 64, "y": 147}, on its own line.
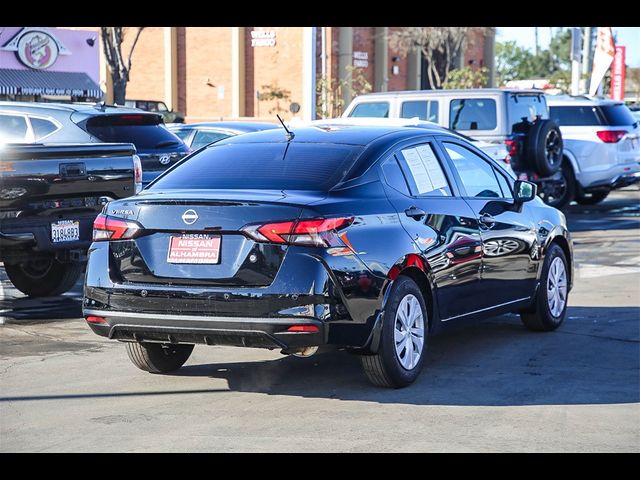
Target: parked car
{"x": 157, "y": 148}
{"x": 601, "y": 146}
{"x": 517, "y": 118}
{"x": 363, "y": 237}
{"x": 197, "y": 135}
{"x": 49, "y": 197}
{"x": 496, "y": 151}
{"x": 169, "y": 116}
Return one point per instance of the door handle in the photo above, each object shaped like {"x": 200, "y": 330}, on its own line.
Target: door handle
{"x": 415, "y": 213}
{"x": 487, "y": 220}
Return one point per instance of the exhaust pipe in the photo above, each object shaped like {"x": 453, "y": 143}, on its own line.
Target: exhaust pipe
{"x": 301, "y": 352}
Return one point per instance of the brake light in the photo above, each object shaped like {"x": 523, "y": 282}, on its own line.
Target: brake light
{"x": 317, "y": 232}
{"x": 137, "y": 173}
{"x": 111, "y": 228}
{"x": 512, "y": 147}
{"x": 303, "y": 328}
{"x": 135, "y": 118}
{"x": 611, "y": 136}
{"x": 96, "y": 319}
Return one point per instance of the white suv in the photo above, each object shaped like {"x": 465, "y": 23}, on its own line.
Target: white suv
{"x": 601, "y": 145}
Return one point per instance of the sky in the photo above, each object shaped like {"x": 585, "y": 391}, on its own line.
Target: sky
{"x": 525, "y": 36}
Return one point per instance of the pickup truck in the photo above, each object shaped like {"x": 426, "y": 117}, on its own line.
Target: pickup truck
{"x": 49, "y": 198}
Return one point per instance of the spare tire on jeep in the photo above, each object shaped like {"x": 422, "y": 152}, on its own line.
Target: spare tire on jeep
{"x": 543, "y": 147}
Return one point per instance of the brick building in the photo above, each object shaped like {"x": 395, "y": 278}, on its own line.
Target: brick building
{"x": 210, "y": 73}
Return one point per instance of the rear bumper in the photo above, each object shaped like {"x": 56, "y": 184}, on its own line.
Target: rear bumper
{"x": 619, "y": 181}
{"x": 232, "y": 331}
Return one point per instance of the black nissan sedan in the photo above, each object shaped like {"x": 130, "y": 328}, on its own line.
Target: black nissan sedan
{"x": 363, "y": 237}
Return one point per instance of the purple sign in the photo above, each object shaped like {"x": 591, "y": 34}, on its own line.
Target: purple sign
{"x": 51, "y": 49}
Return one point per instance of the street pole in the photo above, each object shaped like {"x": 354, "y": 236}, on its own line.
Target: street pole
{"x": 586, "y": 60}
{"x": 325, "y": 85}
{"x": 575, "y": 61}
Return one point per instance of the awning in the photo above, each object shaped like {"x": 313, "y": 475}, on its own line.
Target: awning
{"x": 37, "y": 82}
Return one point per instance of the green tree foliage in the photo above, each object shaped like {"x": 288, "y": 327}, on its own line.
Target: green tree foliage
{"x": 467, "y": 78}
{"x": 334, "y": 89}
{"x": 516, "y": 63}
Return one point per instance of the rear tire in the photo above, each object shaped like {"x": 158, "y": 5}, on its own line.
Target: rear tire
{"x": 43, "y": 277}
{"x": 547, "y": 315}
{"x": 591, "y": 198}
{"x": 402, "y": 350}
{"x": 158, "y": 357}
{"x": 559, "y": 194}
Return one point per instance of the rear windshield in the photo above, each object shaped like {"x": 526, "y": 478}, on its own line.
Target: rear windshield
{"x": 526, "y": 106}
{"x": 617, "y": 115}
{"x": 143, "y": 131}
{"x": 472, "y": 114}
{"x": 306, "y": 166}
{"x": 575, "y": 116}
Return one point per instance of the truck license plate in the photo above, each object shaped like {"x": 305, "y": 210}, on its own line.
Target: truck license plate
{"x": 65, "y": 231}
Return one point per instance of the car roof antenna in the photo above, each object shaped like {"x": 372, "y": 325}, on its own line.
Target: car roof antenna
{"x": 290, "y": 134}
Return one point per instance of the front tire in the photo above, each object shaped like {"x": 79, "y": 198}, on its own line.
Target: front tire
{"x": 43, "y": 277}
{"x": 158, "y": 357}
{"x": 550, "y": 306}
{"x": 402, "y": 349}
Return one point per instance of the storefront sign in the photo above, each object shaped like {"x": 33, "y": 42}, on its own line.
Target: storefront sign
{"x": 361, "y": 59}
{"x": 263, "y": 38}
{"x": 618, "y": 73}
{"x": 36, "y": 48}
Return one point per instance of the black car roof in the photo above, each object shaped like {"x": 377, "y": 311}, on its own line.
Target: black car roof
{"x": 335, "y": 134}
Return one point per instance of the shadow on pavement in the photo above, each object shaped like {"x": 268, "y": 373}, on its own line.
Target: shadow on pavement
{"x": 617, "y": 213}
{"x": 592, "y": 359}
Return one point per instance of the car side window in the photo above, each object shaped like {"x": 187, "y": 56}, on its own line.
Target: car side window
{"x": 203, "y": 138}
{"x": 394, "y": 176}
{"x": 371, "y": 109}
{"x": 423, "y": 109}
{"x": 42, "y": 127}
{"x": 504, "y": 185}
{"x": 423, "y": 171}
{"x": 13, "y": 128}
{"x": 477, "y": 176}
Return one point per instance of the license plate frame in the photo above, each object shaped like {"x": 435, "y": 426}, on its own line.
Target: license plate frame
{"x": 194, "y": 249}
{"x": 65, "y": 231}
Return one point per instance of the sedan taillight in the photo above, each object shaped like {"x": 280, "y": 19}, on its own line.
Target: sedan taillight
{"x": 611, "y": 136}
{"x": 316, "y": 232}
{"x": 137, "y": 173}
{"x": 111, "y": 228}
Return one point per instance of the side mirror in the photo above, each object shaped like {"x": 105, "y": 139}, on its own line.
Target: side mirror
{"x": 524, "y": 191}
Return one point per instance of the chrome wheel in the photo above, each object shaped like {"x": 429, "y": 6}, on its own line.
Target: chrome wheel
{"x": 409, "y": 332}
{"x": 556, "y": 287}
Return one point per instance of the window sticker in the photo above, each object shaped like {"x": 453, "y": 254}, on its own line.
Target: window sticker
{"x": 418, "y": 170}
{"x": 434, "y": 170}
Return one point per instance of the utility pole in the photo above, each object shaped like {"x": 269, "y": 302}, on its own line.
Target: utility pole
{"x": 586, "y": 60}
{"x": 575, "y": 60}
{"x": 537, "y": 47}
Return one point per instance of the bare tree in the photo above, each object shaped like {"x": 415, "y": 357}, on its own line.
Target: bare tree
{"x": 440, "y": 46}
{"x": 112, "y": 40}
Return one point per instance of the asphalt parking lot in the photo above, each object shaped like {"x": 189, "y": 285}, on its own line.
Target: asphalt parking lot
{"x": 487, "y": 386}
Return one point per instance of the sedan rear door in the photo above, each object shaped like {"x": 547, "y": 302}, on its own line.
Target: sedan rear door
{"x": 442, "y": 226}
